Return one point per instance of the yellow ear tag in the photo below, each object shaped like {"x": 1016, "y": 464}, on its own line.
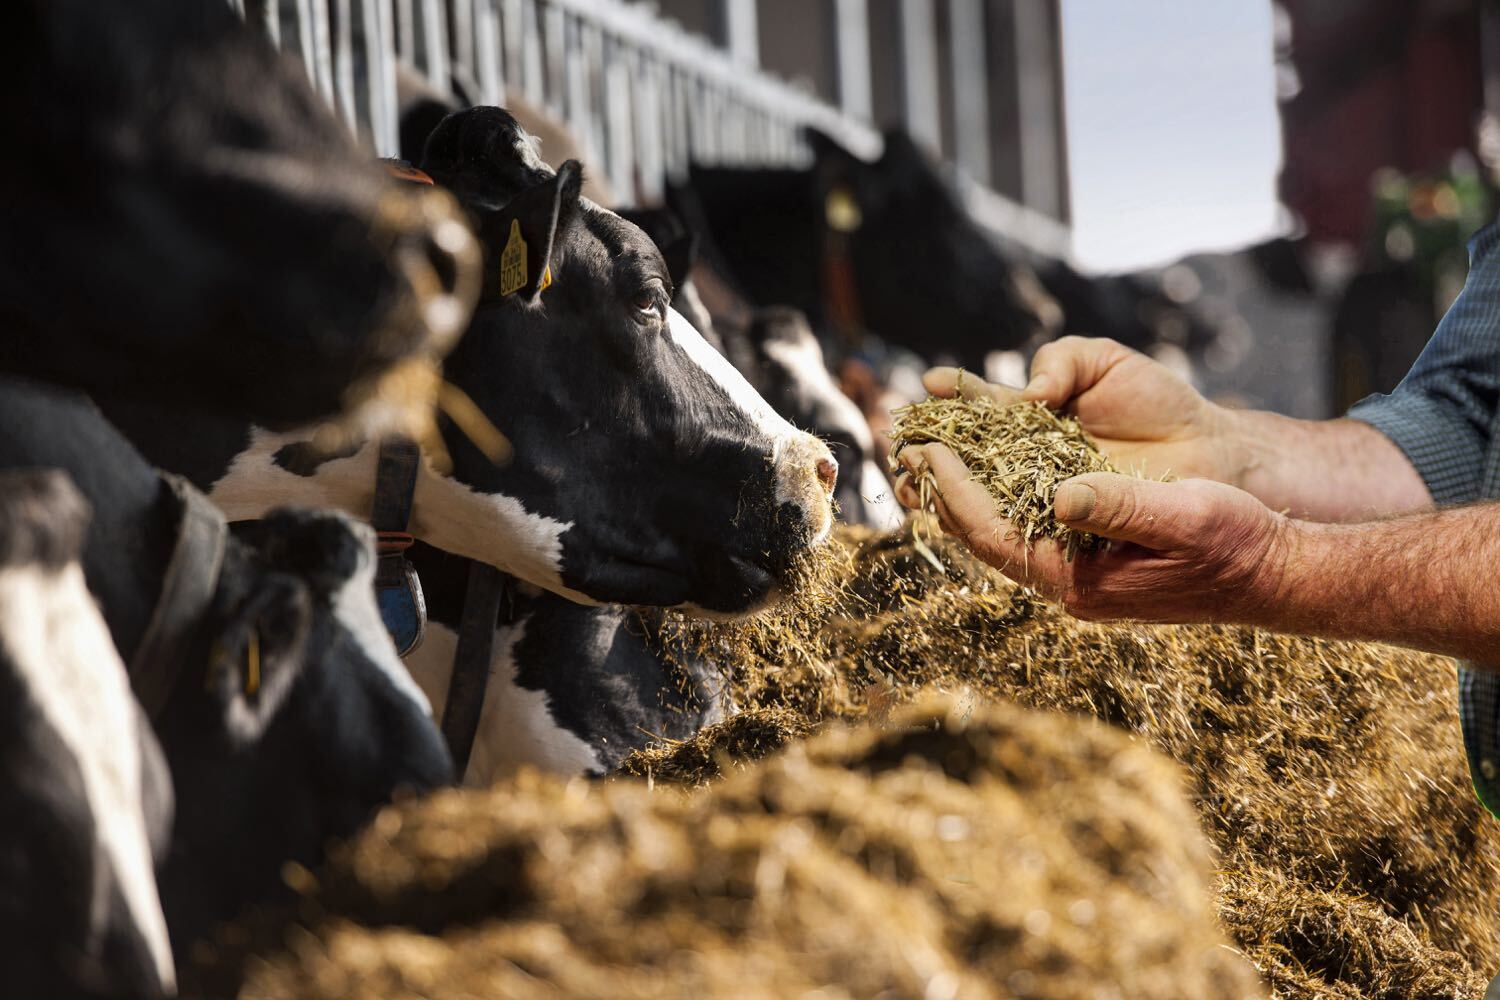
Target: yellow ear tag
{"x": 841, "y": 211}
{"x": 513, "y": 261}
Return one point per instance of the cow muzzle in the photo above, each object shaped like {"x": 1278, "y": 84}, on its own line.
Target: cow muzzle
{"x": 806, "y": 475}
{"x": 439, "y": 257}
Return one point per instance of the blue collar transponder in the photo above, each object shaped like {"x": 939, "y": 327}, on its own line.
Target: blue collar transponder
{"x": 398, "y": 591}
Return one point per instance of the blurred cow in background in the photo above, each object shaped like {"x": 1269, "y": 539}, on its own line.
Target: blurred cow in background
{"x": 187, "y": 218}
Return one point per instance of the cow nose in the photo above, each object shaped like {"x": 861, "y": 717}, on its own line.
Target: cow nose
{"x": 440, "y": 259}
{"x": 828, "y": 473}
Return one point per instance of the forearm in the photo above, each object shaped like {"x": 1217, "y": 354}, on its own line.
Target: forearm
{"x": 1319, "y": 470}
{"x": 1425, "y": 580}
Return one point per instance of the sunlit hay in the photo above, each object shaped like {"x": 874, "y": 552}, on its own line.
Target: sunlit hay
{"x": 954, "y": 853}
{"x": 1335, "y": 767}
{"x": 749, "y": 735}
{"x": 814, "y": 588}
{"x": 1019, "y": 452}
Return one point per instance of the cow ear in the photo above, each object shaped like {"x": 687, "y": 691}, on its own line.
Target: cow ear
{"x": 257, "y": 657}
{"x": 680, "y": 254}
{"x": 520, "y": 239}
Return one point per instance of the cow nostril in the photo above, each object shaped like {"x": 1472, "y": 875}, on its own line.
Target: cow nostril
{"x": 828, "y": 473}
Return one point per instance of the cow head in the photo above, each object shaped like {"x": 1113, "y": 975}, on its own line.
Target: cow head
{"x": 646, "y": 470}
{"x": 86, "y": 796}
{"x": 926, "y": 276}
{"x": 302, "y": 725}
{"x": 197, "y": 226}
{"x": 787, "y": 367}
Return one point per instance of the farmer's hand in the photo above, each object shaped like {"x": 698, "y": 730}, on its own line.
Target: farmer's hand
{"x": 1144, "y": 416}
{"x": 1186, "y": 551}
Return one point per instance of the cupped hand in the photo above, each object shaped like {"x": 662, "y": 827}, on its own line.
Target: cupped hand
{"x": 1188, "y": 551}
{"x": 1145, "y": 417}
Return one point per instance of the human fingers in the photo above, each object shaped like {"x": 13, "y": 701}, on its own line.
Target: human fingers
{"x": 1154, "y": 515}
{"x": 1070, "y": 366}
{"x": 949, "y": 382}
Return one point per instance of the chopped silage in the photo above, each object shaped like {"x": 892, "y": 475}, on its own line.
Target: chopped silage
{"x": 1352, "y": 858}
{"x": 956, "y": 852}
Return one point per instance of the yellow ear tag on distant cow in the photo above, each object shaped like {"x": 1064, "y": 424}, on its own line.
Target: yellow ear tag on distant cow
{"x": 513, "y": 261}
{"x": 841, "y": 211}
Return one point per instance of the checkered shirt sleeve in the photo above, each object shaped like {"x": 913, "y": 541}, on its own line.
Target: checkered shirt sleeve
{"x": 1444, "y": 416}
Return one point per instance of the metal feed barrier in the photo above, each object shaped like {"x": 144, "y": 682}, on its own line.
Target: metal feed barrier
{"x": 643, "y": 96}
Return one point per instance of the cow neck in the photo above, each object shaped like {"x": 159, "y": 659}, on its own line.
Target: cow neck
{"x": 187, "y": 589}
{"x": 403, "y": 607}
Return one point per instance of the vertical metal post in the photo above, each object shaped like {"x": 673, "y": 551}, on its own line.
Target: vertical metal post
{"x": 919, "y": 73}
{"x": 435, "y": 43}
{"x": 741, "y": 27}
{"x": 270, "y": 13}
{"x": 619, "y": 132}
{"x": 555, "y": 38}
{"x": 487, "y": 41}
{"x": 971, "y": 109}
{"x": 380, "y": 76}
{"x": 322, "y": 56}
{"x": 343, "y": 62}
{"x": 304, "y": 39}
{"x": 406, "y": 31}
{"x": 852, "y": 50}
{"x": 465, "y": 50}
{"x": 1043, "y": 170}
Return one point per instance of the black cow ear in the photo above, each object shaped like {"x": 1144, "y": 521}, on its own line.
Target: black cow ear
{"x": 680, "y": 254}
{"x": 520, "y": 240}
{"x": 257, "y": 657}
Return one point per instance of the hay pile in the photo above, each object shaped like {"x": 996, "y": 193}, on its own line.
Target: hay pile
{"x": 1020, "y": 452}
{"x": 952, "y": 853}
{"x": 1355, "y": 860}
{"x": 1352, "y": 858}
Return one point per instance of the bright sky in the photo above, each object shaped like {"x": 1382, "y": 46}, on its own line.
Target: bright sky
{"x": 1173, "y": 138}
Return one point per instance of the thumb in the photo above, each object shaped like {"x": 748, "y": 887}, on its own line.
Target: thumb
{"x": 1151, "y": 514}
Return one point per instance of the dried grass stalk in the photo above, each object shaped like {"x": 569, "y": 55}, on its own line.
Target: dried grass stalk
{"x": 1020, "y": 452}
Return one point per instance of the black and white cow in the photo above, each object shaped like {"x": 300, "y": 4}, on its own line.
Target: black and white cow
{"x": 286, "y": 716}
{"x": 646, "y": 469}
{"x": 573, "y": 689}
{"x": 781, "y": 355}
{"x": 85, "y": 795}
{"x": 190, "y": 220}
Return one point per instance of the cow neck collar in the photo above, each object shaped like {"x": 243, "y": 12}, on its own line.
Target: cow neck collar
{"x": 187, "y": 589}
{"x": 403, "y": 608}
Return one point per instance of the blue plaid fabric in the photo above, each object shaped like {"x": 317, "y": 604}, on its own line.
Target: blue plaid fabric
{"x": 1445, "y": 415}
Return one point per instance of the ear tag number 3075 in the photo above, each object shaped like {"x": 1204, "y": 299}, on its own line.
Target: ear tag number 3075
{"x": 513, "y": 263}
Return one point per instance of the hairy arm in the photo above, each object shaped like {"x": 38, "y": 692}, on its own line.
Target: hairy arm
{"x": 1425, "y": 580}
{"x": 1202, "y": 551}
{"x": 1320, "y": 470}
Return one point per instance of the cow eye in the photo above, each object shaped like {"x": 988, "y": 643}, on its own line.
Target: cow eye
{"x": 650, "y": 303}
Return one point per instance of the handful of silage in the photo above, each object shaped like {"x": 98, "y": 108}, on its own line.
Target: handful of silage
{"x": 1020, "y": 452}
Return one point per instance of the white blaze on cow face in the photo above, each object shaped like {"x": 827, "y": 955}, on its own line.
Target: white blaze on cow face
{"x": 794, "y": 454}
{"x": 516, "y": 726}
{"x": 52, "y": 631}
